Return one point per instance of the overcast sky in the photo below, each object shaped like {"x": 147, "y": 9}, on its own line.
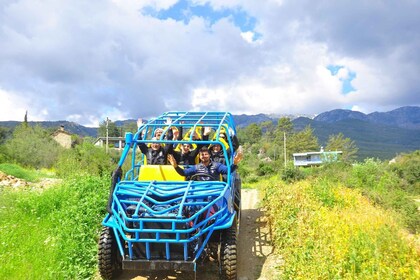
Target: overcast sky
{"x": 83, "y": 61}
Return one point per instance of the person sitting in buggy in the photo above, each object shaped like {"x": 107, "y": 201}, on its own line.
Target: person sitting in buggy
{"x": 186, "y": 154}
{"x": 206, "y": 170}
{"x": 157, "y": 153}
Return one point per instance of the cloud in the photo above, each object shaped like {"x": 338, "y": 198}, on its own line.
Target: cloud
{"x": 8, "y": 108}
{"x": 86, "y": 60}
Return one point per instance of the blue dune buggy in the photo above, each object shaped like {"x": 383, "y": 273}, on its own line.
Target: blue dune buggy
{"x": 159, "y": 220}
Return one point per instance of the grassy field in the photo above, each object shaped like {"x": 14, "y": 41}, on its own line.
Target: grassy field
{"x": 52, "y": 234}
{"x": 356, "y": 223}
{"x": 25, "y": 174}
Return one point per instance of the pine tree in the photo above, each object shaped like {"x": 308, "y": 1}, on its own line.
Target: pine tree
{"x": 337, "y": 142}
{"x": 25, "y": 119}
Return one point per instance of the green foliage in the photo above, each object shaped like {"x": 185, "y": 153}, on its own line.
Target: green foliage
{"x": 284, "y": 125}
{"x": 52, "y": 234}
{"x": 265, "y": 168}
{"x": 250, "y": 134}
{"x": 3, "y": 154}
{"x": 17, "y": 171}
{"x": 4, "y": 134}
{"x": 346, "y": 145}
{"x": 113, "y": 130}
{"x": 407, "y": 168}
{"x": 32, "y": 147}
{"x": 291, "y": 173}
{"x": 85, "y": 159}
{"x": 367, "y": 174}
{"x": 129, "y": 127}
{"x": 324, "y": 230}
{"x": 380, "y": 184}
{"x": 302, "y": 141}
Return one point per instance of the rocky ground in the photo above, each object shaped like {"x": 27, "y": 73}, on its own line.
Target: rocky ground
{"x": 16, "y": 183}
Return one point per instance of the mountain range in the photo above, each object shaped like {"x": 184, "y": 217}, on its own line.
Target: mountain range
{"x": 378, "y": 134}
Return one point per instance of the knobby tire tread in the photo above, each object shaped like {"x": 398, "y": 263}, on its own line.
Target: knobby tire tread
{"x": 229, "y": 254}
{"x": 108, "y": 262}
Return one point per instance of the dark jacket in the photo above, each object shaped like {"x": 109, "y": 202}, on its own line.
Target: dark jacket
{"x": 187, "y": 158}
{"x": 219, "y": 156}
{"x": 214, "y": 170}
{"x": 159, "y": 156}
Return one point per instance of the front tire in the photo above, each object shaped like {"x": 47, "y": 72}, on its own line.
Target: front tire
{"x": 109, "y": 259}
{"x": 228, "y": 253}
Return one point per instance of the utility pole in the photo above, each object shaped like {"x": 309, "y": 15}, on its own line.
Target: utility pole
{"x": 285, "y": 157}
{"x": 107, "y": 121}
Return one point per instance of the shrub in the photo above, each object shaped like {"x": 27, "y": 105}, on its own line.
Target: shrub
{"x": 291, "y": 174}
{"x": 407, "y": 168}
{"x": 367, "y": 174}
{"x": 383, "y": 187}
{"x": 32, "y": 147}
{"x": 265, "y": 168}
{"x": 85, "y": 158}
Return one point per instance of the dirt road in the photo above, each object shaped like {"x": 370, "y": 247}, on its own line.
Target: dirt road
{"x": 255, "y": 259}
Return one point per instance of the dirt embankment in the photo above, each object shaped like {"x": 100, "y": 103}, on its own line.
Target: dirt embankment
{"x": 255, "y": 251}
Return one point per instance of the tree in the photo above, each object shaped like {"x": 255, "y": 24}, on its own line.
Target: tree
{"x": 113, "y": 130}
{"x": 129, "y": 127}
{"x": 284, "y": 125}
{"x": 268, "y": 129}
{"x": 25, "y": 119}
{"x": 302, "y": 141}
{"x": 337, "y": 142}
{"x": 4, "y": 134}
{"x": 250, "y": 134}
{"x": 32, "y": 147}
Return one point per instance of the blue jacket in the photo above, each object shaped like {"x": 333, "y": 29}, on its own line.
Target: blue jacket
{"x": 214, "y": 169}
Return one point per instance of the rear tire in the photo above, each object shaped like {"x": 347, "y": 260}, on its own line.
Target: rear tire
{"x": 228, "y": 253}
{"x": 109, "y": 259}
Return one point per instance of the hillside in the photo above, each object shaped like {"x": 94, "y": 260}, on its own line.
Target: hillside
{"x": 71, "y": 127}
{"x": 373, "y": 140}
{"x": 379, "y": 134}
{"x": 404, "y": 117}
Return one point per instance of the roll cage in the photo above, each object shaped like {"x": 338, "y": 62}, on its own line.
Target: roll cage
{"x": 158, "y": 220}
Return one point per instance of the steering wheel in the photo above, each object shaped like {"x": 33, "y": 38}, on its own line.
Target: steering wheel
{"x": 202, "y": 177}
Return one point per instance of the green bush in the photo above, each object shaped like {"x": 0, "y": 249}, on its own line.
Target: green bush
{"x": 407, "y": 168}
{"x": 292, "y": 173}
{"x": 32, "y": 147}
{"x": 86, "y": 159}
{"x": 52, "y": 234}
{"x": 367, "y": 174}
{"x": 383, "y": 187}
{"x": 265, "y": 168}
